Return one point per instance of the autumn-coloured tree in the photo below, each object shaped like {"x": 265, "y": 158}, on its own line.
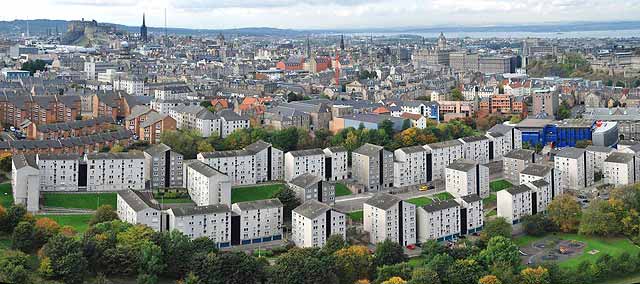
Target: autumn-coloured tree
{"x": 353, "y": 263}
{"x": 45, "y": 228}
{"x": 394, "y": 280}
{"x": 489, "y": 279}
{"x": 565, "y": 212}
{"x": 538, "y": 275}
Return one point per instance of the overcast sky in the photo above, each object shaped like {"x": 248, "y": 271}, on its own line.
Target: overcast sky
{"x": 312, "y": 14}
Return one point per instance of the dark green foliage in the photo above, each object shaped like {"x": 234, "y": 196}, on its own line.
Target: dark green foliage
{"x": 5, "y": 164}
{"x": 104, "y": 213}
{"x": 67, "y": 261}
{"x": 33, "y": 66}
{"x": 289, "y": 201}
{"x": 15, "y": 214}
{"x": 402, "y": 270}
{"x": 496, "y": 227}
{"x": 14, "y": 267}
{"x": 389, "y": 253}
{"x": 537, "y": 225}
{"x": 304, "y": 266}
{"x": 23, "y": 237}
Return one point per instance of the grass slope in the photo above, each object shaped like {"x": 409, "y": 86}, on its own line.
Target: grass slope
{"x": 342, "y": 190}
{"x": 251, "y": 193}
{"x": 80, "y": 200}
{"x": 420, "y": 201}
{"x": 6, "y": 196}
{"x": 356, "y": 216}
{"x": 498, "y": 185}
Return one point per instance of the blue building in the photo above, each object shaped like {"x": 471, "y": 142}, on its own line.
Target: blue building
{"x": 11, "y": 75}
{"x": 560, "y": 134}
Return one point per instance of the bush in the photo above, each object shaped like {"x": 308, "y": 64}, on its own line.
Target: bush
{"x": 537, "y": 225}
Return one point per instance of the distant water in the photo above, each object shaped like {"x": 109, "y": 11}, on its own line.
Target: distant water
{"x": 512, "y": 34}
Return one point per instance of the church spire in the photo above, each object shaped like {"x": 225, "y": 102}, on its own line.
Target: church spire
{"x": 143, "y": 29}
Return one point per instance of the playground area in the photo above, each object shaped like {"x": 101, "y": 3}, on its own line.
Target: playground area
{"x": 553, "y": 249}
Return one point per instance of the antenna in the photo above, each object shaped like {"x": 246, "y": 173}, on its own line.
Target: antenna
{"x": 165, "y": 22}
{"x": 27, "y": 26}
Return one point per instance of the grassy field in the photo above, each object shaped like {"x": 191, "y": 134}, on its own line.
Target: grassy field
{"x": 342, "y": 190}
{"x": 80, "y": 200}
{"x": 420, "y": 201}
{"x": 498, "y": 185}
{"x": 490, "y": 201}
{"x": 356, "y": 216}
{"x": 80, "y": 222}
{"x": 251, "y": 193}
{"x": 6, "y": 197}
{"x": 443, "y": 196}
{"x": 611, "y": 246}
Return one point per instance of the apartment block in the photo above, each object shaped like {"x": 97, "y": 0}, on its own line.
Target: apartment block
{"x": 299, "y": 162}
{"x": 137, "y": 207}
{"x": 515, "y": 161}
{"x": 471, "y": 214}
{"x": 314, "y": 222}
{"x": 211, "y": 221}
{"x": 440, "y": 155}
{"x": 206, "y": 185}
{"x": 541, "y": 172}
{"x": 258, "y": 221}
{"x": 541, "y": 195}
{"x": 466, "y": 177}
{"x": 25, "y": 181}
{"x": 514, "y": 203}
{"x": 573, "y": 168}
{"x": 256, "y": 163}
{"x": 475, "y": 148}
{"x": 438, "y": 221}
{"x": 164, "y": 168}
{"x": 372, "y": 166}
{"x": 114, "y": 171}
{"x": 387, "y": 217}
{"x": 620, "y": 169}
{"x": 59, "y": 172}
{"x": 600, "y": 153}
{"x": 410, "y": 166}
{"x": 311, "y": 187}
{"x": 503, "y": 139}
{"x": 336, "y": 163}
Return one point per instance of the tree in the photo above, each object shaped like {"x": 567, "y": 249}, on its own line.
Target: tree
{"x": 286, "y": 139}
{"x": 302, "y": 266}
{"x": 422, "y": 275}
{"x": 229, "y": 268}
{"x": 440, "y": 264}
{"x": 563, "y": 111}
{"x": 489, "y": 279}
{"x": 538, "y": 275}
{"x": 537, "y": 225}
{"x": 402, "y": 270}
{"x": 190, "y": 279}
{"x": 45, "y": 228}
{"x": 496, "y": 227}
{"x": 564, "y": 211}
{"x": 456, "y": 95}
{"x": 500, "y": 249}
{"x": 464, "y": 271}
{"x": 352, "y": 263}
{"x": 67, "y": 261}
{"x": 387, "y": 126}
{"x": 334, "y": 243}
{"x": 23, "y": 237}
{"x": 5, "y": 163}
{"x": 389, "y": 252}
{"x": 151, "y": 264}
{"x": 289, "y": 201}
{"x": 206, "y": 104}
{"x": 204, "y": 146}
{"x": 104, "y": 213}
{"x": 116, "y": 148}
{"x": 394, "y": 280}
{"x": 34, "y": 66}
{"x": 15, "y": 214}
{"x": 406, "y": 124}
{"x": 599, "y": 219}
{"x": 14, "y": 267}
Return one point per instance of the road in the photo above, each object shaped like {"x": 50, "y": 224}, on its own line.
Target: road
{"x": 354, "y": 202}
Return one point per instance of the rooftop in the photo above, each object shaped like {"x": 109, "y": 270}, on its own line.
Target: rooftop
{"x": 383, "y": 201}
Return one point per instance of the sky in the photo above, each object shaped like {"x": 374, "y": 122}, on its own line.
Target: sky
{"x": 319, "y": 14}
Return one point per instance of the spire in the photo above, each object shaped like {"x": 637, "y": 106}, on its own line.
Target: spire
{"x": 308, "y": 47}
{"x": 143, "y": 29}
{"x": 342, "y": 42}
{"x": 143, "y": 20}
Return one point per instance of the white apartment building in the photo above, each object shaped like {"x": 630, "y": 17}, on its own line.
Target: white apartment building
{"x": 136, "y": 207}
{"x": 256, "y": 163}
{"x": 58, "y": 172}
{"x": 541, "y": 195}
{"x": 231, "y": 121}
{"x": 211, "y": 221}
{"x": 438, "y": 221}
{"x": 206, "y": 185}
{"x": 471, "y": 214}
{"x": 475, "y": 148}
{"x": 410, "y": 166}
{"x": 25, "y": 181}
{"x": 541, "y": 172}
{"x": 440, "y": 155}
{"x": 164, "y": 167}
{"x": 197, "y": 118}
{"x": 619, "y": 169}
{"x": 115, "y": 171}
{"x": 514, "y": 162}
{"x": 314, "y": 222}
{"x": 503, "y": 139}
{"x": 131, "y": 85}
{"x": 573, "y": 169}
{"x": 600, "y": 153}
{"x": 165, "y": 106}
{"x": 260, "y": 221}
{"x": 173, "y": 92}
{"x": 465, "y": 177}
{"x": 311, "y": 187}
{"x": 389, "y": 217}
{"x": 336, "y": 163}
{"x": 372, "y": 166}
{"x": 514, "y": 203}
{"x": 299, "y": 162}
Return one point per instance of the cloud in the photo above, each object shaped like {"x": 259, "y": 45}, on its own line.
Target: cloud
{"x": 99, "y": 3}
{"x": 253, "y": 4}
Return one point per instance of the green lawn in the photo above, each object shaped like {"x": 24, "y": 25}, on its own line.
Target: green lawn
{"x": 6, "y": 196}
{"x": 493, "y": 212}
{"x": 251, "y": 193}
{"x": 80, "y": 200}
{"x": 342, "y": 190}
{"x": 356, "y": 216}
{"x": 490, "y": 201}
{"x": 443, "y": 196}
{"x": 611, "y": 246}
{"x": 498, "y": 185}
{"x": 416, "y": 261}
{"x": 79, "y": 222}
{"x": 420, "y": 201}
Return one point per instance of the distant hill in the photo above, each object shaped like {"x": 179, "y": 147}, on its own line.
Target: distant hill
{"x": 43, "y": 26}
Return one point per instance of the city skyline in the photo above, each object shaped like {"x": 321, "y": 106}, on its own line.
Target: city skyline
{"x": 312, "y": 14}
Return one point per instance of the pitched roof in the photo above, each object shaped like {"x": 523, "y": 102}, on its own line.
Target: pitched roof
{"x": 199, "y": 210}
{"x": 138, "y": 200}
{"x": 462, "y": 165}
{"x": 312, "y": 209}
{"x": 440, "y": 205}
{"x": 259, "y": 204}
{"x": 383, "y": 201}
